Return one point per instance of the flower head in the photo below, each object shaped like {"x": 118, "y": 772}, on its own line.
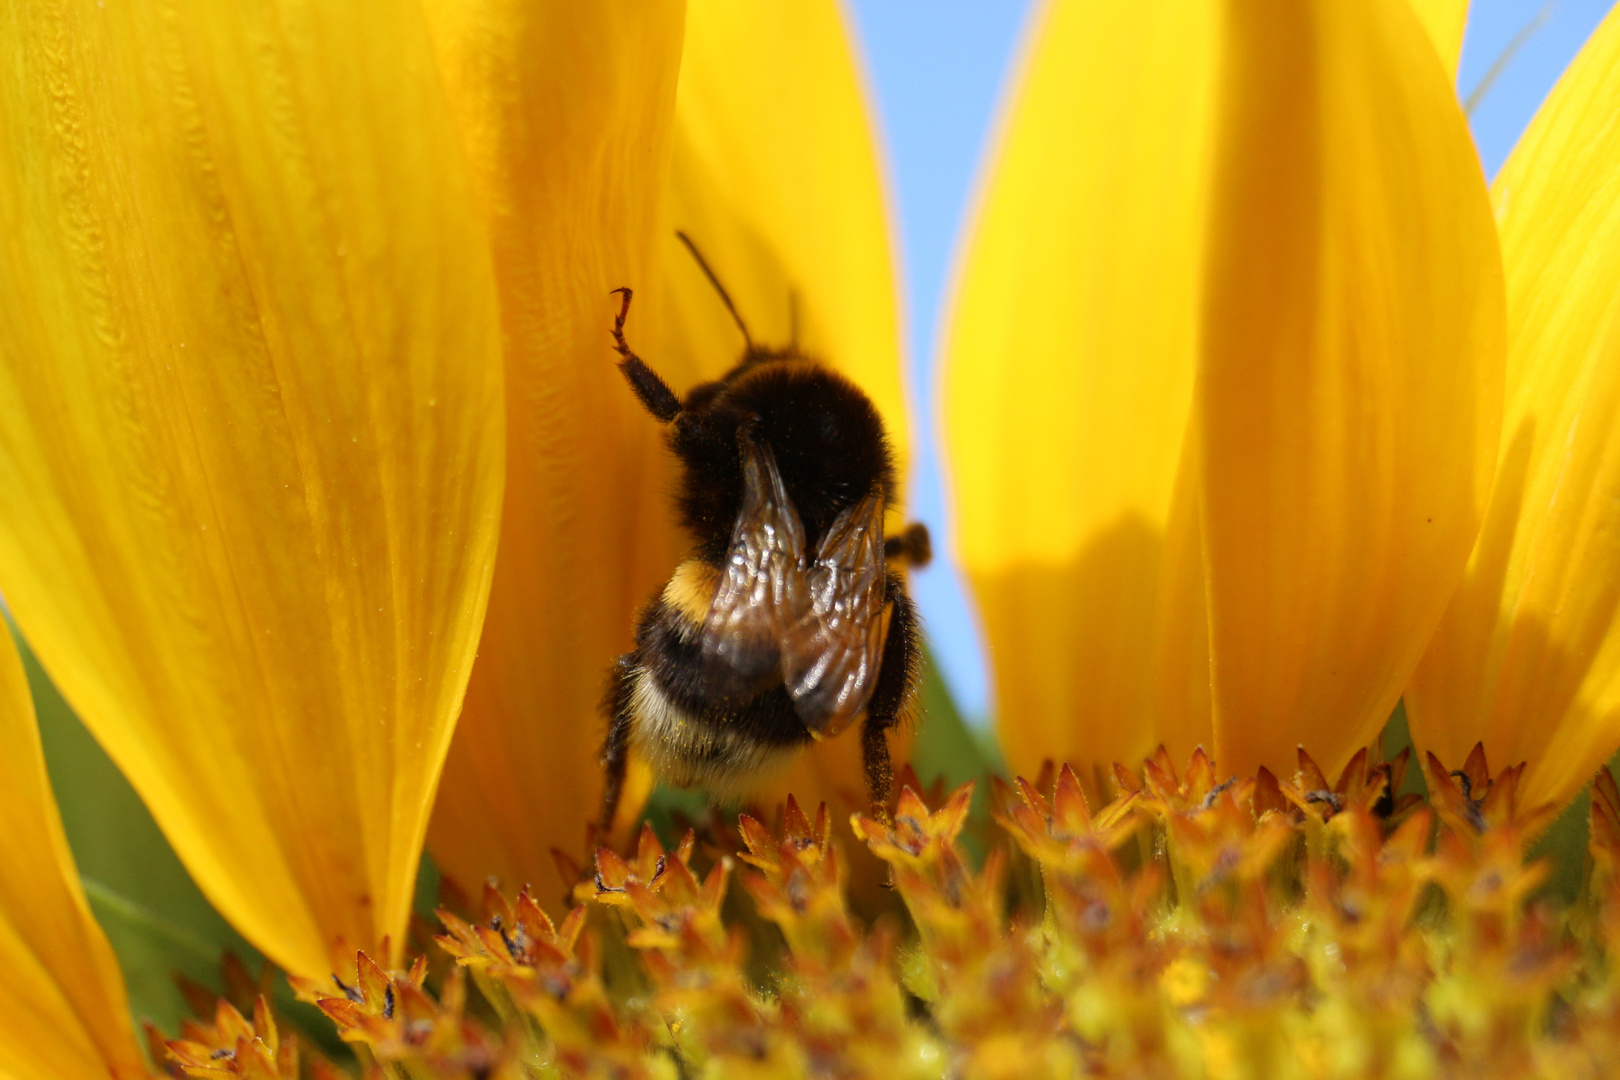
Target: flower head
{"x": 305, "y": 313}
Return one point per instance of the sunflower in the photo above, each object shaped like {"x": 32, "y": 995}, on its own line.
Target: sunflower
{"x": 305, "y": 399}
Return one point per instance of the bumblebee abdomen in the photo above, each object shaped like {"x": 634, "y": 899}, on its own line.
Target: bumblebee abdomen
{"x": 687, "y": 749}
{"x": 680, "y": 730}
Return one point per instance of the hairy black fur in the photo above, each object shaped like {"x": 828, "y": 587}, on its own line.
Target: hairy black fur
{"x": 669, "y": 650}
{"x": 827, "y": 436}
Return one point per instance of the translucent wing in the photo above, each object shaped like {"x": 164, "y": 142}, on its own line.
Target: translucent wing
{"x": 762, "y": 589}
{"x": 832, "y": 647}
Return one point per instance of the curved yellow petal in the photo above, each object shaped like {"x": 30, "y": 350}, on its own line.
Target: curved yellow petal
{"x": 63, "y": 1013}
{"x": 774, "y": 176}
{"x": 1350, "y": 377}
{"x": 1285, "y": 200}
{"x": 1528, "y": 655}
{"x": 1068, "y": 383}
{"x": 778, "y": 179}
{"x": 250, "y": 432}
{"x": 1445, "y": 22}
{"x": 566, "y": 108}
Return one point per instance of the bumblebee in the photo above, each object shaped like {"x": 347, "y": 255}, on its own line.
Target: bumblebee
{"x": 786, "y": 622}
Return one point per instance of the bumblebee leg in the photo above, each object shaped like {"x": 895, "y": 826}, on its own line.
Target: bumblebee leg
{"x": 653, "y": 391}
{"x": 616, "y": 746}
{"x": 913, "y": 546}
{"x": 879, "y": 769}
{"x": 896, "y": 681}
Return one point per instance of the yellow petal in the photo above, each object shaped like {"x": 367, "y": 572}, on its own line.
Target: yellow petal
{"x": 1350, "y": 375}
{"x": 251, "y": 463}
{"x": 63, "y": 1013}
{"x": 1182, "y": 710}
{"x": 1444, "y": 21}
{"x": 777, "y": 178}
{"x": 567, "y": 109}
{"x": 1068, "y": 382}
{"x": 1528, "y": 655}
{"x": 1100, "y": 274}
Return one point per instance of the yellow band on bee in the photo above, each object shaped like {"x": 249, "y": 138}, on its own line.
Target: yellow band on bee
{"x": 691, "y": 589}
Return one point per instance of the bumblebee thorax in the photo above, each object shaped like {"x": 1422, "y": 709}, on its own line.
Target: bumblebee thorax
{"x": 826, "y": 435}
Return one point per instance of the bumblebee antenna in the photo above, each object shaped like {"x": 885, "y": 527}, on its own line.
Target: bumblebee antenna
{"x": 725, "y": 297}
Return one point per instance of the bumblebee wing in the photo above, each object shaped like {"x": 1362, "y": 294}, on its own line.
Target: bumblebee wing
{"x": 762, "y": 588}
{"x": 831, "y": 651}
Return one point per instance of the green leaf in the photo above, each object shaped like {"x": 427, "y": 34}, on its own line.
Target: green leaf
{"x": 1564, "y": 845}
{"x": 1397, "y": 736}
{"x": 946, "y": 746}
{"x": 153, "y": 949}
{"x": 671, "y": 811}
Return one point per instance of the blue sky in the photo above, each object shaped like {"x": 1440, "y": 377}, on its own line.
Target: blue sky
{"x": 936, "y": 68}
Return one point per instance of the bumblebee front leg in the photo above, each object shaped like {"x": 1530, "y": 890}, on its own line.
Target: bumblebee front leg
{"x": 896, "y": 682}
{"x": 616, "y": 746}
{"x": 653, "y": 391}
